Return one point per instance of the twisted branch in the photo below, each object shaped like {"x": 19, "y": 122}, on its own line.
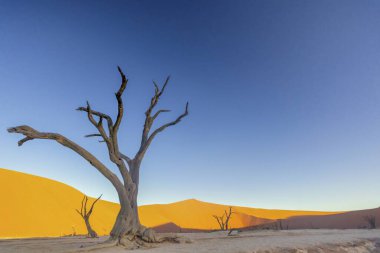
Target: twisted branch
{"x": 119, "y": 99}
{"x": 31, "y": 134}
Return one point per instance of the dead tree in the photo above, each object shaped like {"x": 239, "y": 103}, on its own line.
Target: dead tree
{"x": 224, "y": 220}
{"x": 371, "y": 220}
{"x": 86, "y": 215}
{"x": 127, "y": 230}
{"x": 279, "y": 221}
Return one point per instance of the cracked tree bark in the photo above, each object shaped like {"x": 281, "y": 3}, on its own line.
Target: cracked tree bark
{"x": 127, "y": 230}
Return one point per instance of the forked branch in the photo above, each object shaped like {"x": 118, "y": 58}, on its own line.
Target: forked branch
{"x": 83, "y": 211}
{"x": 153, "y": 102}
{"x": 147, "y": 138}
{"x": 98, "y": 114}
{"x": 99, "y": 125}
{"x": 111, "y": 138}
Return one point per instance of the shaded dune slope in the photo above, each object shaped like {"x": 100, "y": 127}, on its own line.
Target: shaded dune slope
{"x": 348, "y": 220}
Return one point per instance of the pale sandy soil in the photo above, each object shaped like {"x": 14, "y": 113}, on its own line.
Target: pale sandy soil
{"x": 297, "y": 241}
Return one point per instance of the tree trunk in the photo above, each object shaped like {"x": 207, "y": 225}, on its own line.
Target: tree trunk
{"x": 91, "y": 232}
{"x": 127, "y": 230}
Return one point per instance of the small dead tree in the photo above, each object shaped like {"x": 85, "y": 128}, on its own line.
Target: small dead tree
{"x": 127, "y": 230}
{"x": 224, "y": 220}
{"x": 371, "y": 220}
{"x": 86, "y": 215}
{"x": 279, "y": 221}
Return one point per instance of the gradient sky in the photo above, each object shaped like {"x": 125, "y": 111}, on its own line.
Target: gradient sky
{"x": 284, "y": 96}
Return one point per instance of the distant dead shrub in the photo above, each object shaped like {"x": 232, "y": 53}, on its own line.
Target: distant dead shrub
{"x": 224, "y": 220}
{"x": 371, "y": 220}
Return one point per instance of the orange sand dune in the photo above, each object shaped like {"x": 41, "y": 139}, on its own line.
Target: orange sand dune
{"x": 195, "y": 214}
{"x": 33, "y": 206}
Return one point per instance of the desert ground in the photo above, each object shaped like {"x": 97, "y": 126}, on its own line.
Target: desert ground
{"x": 317, "y": 240}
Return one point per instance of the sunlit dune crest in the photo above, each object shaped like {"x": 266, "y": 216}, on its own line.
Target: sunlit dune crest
{"x": 34, "y": 206}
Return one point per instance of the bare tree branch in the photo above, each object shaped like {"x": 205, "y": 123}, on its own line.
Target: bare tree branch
{"x": 98, "y": 125}
{"x": 163, "y": 87}
{"x": 160, "y": 129}
{"x": 158, "y": 113}
{"x": 93, "y": 135}
{"x": 228, "y": 216}
{"x": 85, "y": 205}
{"x": 32, "y": 134}
{"x": 220, "y": 221}
{"x": 111, "y": 140}
{"x": 119, "y": 99}
{"x": 78, "y": 212}
{"x": 149, "y": 140}
{"x": 22, "y": 141}
{"x": 153, "y": 102}
{"x": 93, "y": 203}
{"x": 98, "y": 114}
{"x": 82, "y": 206}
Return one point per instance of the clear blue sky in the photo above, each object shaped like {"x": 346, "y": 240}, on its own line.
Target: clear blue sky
{"x": 284, "y": 96}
